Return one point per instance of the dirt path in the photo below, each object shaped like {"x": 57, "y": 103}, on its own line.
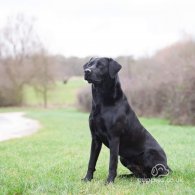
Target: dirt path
{"x": 15, "y": 125}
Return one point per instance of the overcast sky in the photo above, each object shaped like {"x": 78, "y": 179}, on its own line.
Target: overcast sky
{"x": 106, "y": 27}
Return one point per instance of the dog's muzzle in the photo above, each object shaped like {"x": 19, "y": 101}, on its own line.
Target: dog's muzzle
{"x": 87, "y": 73}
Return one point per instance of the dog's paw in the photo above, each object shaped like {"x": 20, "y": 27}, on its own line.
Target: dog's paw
{"x": 109, "y": 181}
{"x": 87, "y": 179}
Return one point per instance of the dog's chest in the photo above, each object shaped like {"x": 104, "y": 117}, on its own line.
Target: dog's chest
{"x": 100, "y": 128}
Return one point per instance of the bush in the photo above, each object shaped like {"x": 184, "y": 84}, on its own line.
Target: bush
{"x": 84, "y": 99}
{"x": 147, "y": 101}
{"x": 181, "y": 109}
{"x": 10, "y": 97}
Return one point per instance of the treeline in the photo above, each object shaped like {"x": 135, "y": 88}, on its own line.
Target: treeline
{"x": 39, "y": 70}
{"x": 24, "y": 61}
{"x": 162, "y": 85}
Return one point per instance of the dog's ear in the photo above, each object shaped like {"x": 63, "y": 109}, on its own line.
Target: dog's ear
{"x": 85, "y": 65}
{"x": 113, "y": 67}
{"x": 91, "y": 59}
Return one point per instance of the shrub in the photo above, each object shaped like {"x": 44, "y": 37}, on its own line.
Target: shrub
{"x": 10, "y": 97}
{"x": 181, "y": 109}
{"x": 84, "y": 99}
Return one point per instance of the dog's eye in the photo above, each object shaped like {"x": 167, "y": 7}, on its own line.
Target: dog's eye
{"x": 86, "y": 65}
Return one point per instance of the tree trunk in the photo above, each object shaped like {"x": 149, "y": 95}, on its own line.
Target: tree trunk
{"x": 45, "y": 97}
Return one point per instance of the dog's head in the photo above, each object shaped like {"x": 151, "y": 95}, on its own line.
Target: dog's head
{"x": 97, "y": 70}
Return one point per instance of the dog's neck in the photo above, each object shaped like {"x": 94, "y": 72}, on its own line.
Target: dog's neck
{"x": 107, "y": 93}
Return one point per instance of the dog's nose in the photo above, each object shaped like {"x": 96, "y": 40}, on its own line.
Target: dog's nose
{"x": 87, "y": 71}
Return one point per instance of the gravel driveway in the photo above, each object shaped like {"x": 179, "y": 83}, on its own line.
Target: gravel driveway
{"x": 15, "y": 125}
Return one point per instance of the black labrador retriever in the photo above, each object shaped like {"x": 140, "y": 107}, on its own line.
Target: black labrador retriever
{"x": 113, "y": 123}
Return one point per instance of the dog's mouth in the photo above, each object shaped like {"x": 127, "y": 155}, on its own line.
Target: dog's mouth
{"x": 90, "y": 80}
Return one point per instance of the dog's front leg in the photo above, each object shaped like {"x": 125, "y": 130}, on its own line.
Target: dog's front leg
{"x": 96, "y": 145}
{"x": 114, "y": 150}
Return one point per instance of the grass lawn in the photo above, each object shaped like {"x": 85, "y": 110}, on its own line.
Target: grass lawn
{"x": 54, "y": 160}
{"x": 60, "y": 94}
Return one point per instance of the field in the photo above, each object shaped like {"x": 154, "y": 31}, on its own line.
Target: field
{"x": 54, "y": 160}
{"x": 60, "y": 94}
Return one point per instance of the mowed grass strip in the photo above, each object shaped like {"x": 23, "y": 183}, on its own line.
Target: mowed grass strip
{"x": 54, "y": 160}
{"x": 59, "y": 94}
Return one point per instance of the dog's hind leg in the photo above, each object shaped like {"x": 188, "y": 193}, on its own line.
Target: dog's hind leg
{"x": 125, "y": 163}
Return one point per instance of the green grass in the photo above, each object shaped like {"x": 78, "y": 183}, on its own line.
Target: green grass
{"x": 59, "y": 95}
{"x": 54, "y": 160}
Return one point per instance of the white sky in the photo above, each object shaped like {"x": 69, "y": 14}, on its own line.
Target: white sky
{"x": 106, "y": 27}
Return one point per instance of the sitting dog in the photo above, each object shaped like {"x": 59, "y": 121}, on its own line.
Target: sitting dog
{"x": 113, "y": 123}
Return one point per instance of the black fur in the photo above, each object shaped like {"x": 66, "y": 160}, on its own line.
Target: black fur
{"x": 113, "y": 123}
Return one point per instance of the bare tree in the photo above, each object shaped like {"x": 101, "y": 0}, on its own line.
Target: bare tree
{"x": 45, "y": 74}
{"x": 23, "y": 61}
